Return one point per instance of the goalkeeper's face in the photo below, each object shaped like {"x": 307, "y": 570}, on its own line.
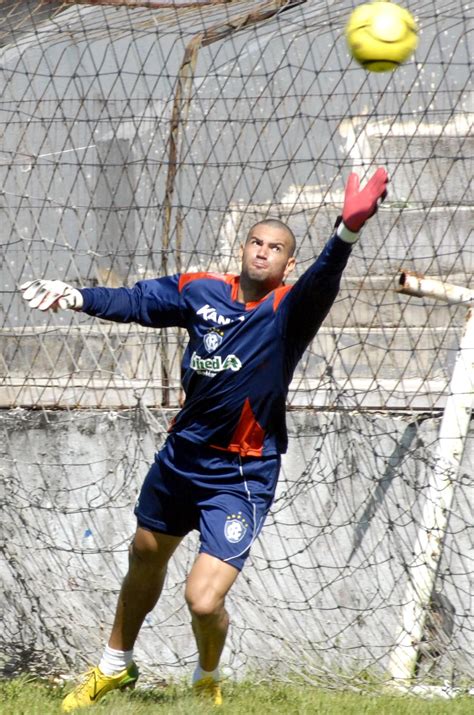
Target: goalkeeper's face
{"x": 267, "y": 256}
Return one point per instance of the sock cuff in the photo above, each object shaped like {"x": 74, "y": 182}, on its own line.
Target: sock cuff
{"x": 200, "y": 673}
{"x": 114, "y": 661}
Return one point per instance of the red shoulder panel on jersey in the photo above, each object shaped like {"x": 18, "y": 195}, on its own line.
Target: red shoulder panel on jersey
{"x": 279, "y": 295}
{"x": 186, "y": 278}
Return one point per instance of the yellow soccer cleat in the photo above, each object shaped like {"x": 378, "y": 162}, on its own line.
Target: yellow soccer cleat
{"x": 95, "y": 685}
{"x": 208, "y": 689}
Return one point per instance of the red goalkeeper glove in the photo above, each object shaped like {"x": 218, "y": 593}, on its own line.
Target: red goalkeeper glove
{"x": 361, "y": 204}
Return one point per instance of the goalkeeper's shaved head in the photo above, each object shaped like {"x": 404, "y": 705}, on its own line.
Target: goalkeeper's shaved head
{"x": 267, "y": 258}
{"x": 276, "y": 223}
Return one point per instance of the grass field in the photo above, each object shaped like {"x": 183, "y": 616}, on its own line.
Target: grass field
{"x": 23, "y": 696}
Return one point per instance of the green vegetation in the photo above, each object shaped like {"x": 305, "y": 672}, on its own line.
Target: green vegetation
{"x": 27, "y": 696}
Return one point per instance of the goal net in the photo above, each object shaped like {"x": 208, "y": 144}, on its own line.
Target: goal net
{"x": 144, "y": 138}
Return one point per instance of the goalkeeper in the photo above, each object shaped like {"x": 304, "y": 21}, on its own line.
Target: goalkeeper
{"x": 218, "y": 469}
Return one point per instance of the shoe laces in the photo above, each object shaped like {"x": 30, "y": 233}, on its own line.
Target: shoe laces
{"x": 85, "y": 680}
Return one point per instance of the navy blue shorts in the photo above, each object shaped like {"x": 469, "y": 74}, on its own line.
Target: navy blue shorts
{"x": 224, "y": 496}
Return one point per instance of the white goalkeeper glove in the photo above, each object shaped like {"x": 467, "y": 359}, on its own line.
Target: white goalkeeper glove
{"x": 43, "y": 294}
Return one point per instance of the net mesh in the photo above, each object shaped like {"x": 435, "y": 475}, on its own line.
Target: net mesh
{"x": 145, "y": 138}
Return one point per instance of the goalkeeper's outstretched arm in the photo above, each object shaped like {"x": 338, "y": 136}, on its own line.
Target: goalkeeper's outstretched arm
{"x": 156, "y": 303}
{"x": 312, "y": 296}
{"x": 159, "y": 302}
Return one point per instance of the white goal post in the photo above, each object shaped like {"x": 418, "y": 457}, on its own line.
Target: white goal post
{"x": 423, "y": 569}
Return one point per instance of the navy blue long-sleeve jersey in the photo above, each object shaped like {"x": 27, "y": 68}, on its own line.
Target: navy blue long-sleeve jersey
{"x": 240, "y": 359}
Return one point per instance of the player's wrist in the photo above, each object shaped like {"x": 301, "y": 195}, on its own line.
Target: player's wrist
{"x": 345, "y": 234}
{"x": 71, "y": 299}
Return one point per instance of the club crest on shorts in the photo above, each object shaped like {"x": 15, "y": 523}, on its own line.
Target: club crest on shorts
{"x": 235, "y": 527}
{"x": 212, "y": 340}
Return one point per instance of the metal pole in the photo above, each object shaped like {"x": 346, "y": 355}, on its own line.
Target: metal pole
{"x": 418, "y": 285}
{"x": 454, "y": 427}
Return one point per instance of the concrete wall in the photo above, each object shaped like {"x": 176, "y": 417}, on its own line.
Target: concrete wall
{"x": 325, "y": 582}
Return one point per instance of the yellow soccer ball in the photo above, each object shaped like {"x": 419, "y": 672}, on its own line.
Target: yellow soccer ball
{"x": 381, "y": 35}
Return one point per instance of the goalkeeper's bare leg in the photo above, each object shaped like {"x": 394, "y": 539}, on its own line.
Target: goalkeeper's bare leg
{"x": 141, "y": 589}
{"x": 208, "y": 583}
{"x": 149, "y": 555}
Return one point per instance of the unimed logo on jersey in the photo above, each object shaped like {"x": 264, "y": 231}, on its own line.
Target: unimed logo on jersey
{"x": 210, "y": 366}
